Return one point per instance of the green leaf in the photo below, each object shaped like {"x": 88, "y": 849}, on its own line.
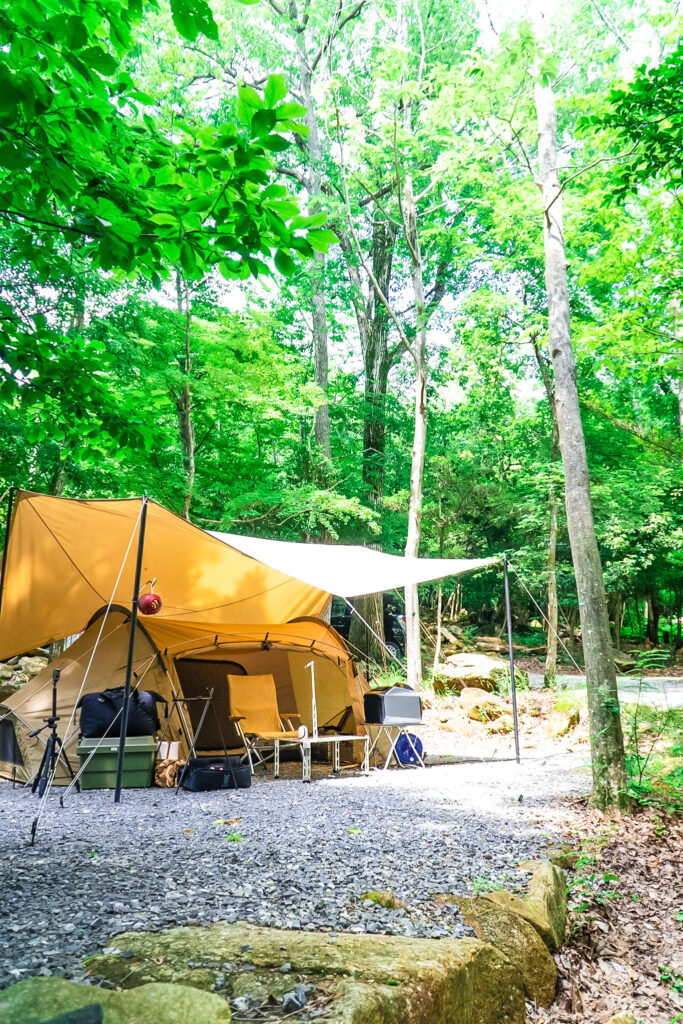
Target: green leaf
{"x": 192, "y": 18}
{"x": 321, "y": 240}
{"x": 164, "y": 219}
{"x": 314, "y": 220}
{"x": 275, "y": 90}
{"x": 262, "y": 122}
{"x": 290, "y": 111}
{"x": 250, "y": 97}
{"x": 284, "y": 263}
{"x": 276, "y": 143}
{"x": 165, "y": 175}
{"x": 99, "y": 60}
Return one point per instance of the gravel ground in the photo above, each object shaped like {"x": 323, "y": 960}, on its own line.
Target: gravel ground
{"x": 305, "y": 856}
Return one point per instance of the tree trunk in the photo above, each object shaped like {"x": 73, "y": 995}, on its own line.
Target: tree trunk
{"x": 550, "y": 669}
{"x": 378, "y": 358}
{"x": 439, "y": 594}
{"x": 618, "y": 618}
{"x": 183, "y": 403}
{"x": 653, "y": 613}
{"x": 419, "y": 352}
{"x": 57, "y": 480}
{"x": 607, "y": 743}
{"x": 321, "y": 423}
{"x": 365, "y": 646}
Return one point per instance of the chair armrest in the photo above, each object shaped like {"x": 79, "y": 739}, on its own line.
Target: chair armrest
{"x": 236, "y": 718}
{"x": 285, "y": 718}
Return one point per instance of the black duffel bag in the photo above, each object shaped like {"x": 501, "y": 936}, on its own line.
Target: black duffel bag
{"x": 204, "y": 773}
{"x": 101, "y": 713}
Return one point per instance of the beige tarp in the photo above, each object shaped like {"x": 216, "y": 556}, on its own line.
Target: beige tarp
{"x": 349, "y": 570}
{"x": 67, "y": 558}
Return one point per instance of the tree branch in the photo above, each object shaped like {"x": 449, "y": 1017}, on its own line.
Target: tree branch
{"x": 368, "y": 270}
{"x": 582, "y": 170}
{"x": 335, "y": 28}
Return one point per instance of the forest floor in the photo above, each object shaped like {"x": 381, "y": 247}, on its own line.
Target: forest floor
{"x": 448, "y": 733}
{"x": 625, "y": 945}
{"x": 625, "y": 941}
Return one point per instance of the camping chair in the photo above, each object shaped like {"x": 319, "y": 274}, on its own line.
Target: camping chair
{"x": 254, "y": 710}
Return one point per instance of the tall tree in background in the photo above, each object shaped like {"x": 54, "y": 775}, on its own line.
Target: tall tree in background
{"x": 400, "y": 165}
{"x": 607, "y": 742}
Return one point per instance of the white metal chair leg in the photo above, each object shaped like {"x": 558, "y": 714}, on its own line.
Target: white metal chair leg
{"x": 392, "y": 751}
{"x": 366, "y": 756}
{"x": 276, "y": 760}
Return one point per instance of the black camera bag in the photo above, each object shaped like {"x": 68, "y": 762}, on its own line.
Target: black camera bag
{"x": 201, "y": 774}
{"x": 101, "y": 713}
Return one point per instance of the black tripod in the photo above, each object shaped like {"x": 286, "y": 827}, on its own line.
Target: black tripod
{"x": 54, "y": 748}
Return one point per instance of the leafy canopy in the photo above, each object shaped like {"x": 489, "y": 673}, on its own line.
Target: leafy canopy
{"x": 86, "y": 171}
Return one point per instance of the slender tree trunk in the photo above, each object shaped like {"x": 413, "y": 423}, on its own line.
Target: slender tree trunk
{"x": 550, "y": 669}
{"x": 653, "y": 613}
{"x": 607, "y": 743}
{"x": 618, "y": 618}
{"x": 58, "y": 480}
{"x": 313, "y": 186}
{"x": 183, "y": 403}
{"x": 378, "y": 358}
{"x": 365, "y": 646}
{"x": 419, "y": 351}
{"x": 439, "y": 596}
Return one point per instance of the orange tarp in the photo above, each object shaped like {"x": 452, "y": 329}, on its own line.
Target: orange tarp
{"x": 66, "y": 558}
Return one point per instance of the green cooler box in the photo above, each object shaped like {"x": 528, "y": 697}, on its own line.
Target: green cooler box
{"x": 138, "y": 762}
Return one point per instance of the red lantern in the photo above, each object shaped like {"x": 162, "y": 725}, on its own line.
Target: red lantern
{"x": 149, "y": 604}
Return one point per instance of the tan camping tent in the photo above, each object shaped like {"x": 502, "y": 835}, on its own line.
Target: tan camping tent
{"x": 186, "y": 660}
{"x": 69, "y": 565}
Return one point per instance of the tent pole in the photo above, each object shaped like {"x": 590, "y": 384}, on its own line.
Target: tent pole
{"x": 511, "y": 653}
{"x": 131, "y": 650}
{"x": 10, "y": 508}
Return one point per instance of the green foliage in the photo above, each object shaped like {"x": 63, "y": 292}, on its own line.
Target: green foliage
{"x": 654, "y": 742}
{"x": 502, "y": 680}
{"x": 648, "y": 115}
{"x": 87, "y": 174}
{"x": 671, "y": 978}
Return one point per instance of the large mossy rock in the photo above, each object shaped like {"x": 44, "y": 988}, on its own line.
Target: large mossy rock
{"x": 481, "y": 706}
{"x": 32, "y": 666}
{"x": 38, "y": 1000}
{"x": 545, "y": 905}
{"x": 470, "y": 669}
{"x": 559, "y": 722}
{"x": 372, "y": 979}
{"x": 518, "y": 940}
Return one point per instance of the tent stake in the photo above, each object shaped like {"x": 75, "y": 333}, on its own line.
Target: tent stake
{"x": 131, "y": 650}
{"x": 10, "y": 504}
{"x": 511, "y": 653}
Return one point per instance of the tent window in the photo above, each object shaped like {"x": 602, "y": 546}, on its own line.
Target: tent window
{"x": 9, "y": 748}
